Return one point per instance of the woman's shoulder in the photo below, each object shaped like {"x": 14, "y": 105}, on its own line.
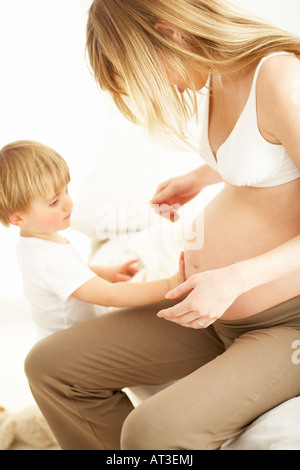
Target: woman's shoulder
{"x": 277, "y": 93}
{"x": 278, "y": 74}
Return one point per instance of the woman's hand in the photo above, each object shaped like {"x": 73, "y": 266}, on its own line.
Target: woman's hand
{"x": 211, "y": 293}
{"x": 175, "y": 192}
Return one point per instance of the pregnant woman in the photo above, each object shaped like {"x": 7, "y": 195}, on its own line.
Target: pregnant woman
{"x": 225, "y": 336}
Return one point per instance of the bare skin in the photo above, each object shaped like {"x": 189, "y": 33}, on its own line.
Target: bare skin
{"x": 241, "y": 223}
{"x": 234, "y": 278}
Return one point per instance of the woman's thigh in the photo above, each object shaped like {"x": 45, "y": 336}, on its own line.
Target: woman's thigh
{"x": 77, "y": 375}
{"x": 217, "y": 401}
{"x": 128, "y": 347}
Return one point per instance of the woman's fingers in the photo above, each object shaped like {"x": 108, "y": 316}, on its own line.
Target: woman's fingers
{"x": 167, "y": 211}
{"x": 162, "y": 194}
{"x": 180, "y": 310}
{"x": 189, "y": 319}
{"x": 210, "y": 293}
{"x": 164, "y": 201}
{"x": 181, "y": 290}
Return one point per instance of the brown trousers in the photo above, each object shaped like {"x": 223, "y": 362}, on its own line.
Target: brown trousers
{"x": 226, "y": 376}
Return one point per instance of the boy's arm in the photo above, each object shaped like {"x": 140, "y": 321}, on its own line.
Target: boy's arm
{"x": 100, "y": 292}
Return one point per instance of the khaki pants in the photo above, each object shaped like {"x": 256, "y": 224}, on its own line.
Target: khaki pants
{"x": 226, "y": 375}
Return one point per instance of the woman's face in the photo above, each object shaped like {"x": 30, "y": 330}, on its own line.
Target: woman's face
{"x": 175, "y": 78}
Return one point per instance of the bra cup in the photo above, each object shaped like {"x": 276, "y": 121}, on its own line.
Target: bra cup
{"x": 246, "y": 158}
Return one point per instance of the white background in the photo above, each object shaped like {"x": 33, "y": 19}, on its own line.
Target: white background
{"x": 47, "y": 93}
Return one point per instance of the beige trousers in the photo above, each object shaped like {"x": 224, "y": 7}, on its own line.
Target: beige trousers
{"x": 226, "y": 375}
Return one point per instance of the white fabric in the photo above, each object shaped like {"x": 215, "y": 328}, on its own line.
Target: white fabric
{"x": 51, "y": 273}
{"x": 158, "y": 258}
{"x": 278, "y": 429}
{"x": 246, "y": 158}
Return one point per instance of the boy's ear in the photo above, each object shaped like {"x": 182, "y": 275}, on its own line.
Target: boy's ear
{"x": 169, "y": 30}
{"x": 16, "y": 219}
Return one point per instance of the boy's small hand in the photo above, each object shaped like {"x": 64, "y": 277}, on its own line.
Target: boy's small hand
{"x": 179, "y": 277}
{"x": 125, "y": 271}
{"x": 182, "y": 277}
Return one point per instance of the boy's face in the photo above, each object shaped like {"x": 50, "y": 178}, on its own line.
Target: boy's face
{"x": 48, "y": 215}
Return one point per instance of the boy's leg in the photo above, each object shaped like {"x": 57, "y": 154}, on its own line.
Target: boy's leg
{"x": 217, "y": 401}
{"x": 76, "y": 375}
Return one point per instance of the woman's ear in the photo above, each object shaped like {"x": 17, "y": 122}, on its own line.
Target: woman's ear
{"x": 16, "y": 219}
{"x": 169, "y": 30}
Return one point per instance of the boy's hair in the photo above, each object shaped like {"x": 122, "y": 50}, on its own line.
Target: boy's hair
{"x": 28, "y": 170}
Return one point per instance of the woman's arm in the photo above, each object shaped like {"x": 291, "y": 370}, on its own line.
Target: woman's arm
{"x": 271, "y": 266}
{"x": 174, "y": 193}
{"x": 212, "y": 292}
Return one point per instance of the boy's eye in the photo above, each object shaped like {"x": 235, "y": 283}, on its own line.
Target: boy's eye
{"x": 53, "y": 203}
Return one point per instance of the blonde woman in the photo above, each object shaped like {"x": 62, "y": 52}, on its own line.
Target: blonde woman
{"x": 229, "y": 336}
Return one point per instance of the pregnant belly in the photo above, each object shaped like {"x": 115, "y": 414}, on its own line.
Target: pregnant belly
{"x": 234, "y": 227}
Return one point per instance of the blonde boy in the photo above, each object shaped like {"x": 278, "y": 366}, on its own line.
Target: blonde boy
{"x": 60, "y": 287}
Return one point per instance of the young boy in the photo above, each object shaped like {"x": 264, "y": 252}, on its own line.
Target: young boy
{"x": 60, "y": 287}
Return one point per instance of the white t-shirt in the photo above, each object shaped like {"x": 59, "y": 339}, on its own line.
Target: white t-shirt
{"x": 51, "y": 273}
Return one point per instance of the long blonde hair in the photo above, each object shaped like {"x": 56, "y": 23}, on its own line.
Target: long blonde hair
{"x": 125, "y": 53}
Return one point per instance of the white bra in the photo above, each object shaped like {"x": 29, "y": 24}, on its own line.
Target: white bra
{"x": 246, "y": 158}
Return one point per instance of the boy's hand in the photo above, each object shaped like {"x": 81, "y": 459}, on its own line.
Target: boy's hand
{"x": 123, "y": 272}
{"x": 181, "y": 273}
{"x": 179, "y": 277}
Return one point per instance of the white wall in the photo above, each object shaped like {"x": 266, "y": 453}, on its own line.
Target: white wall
{"x": 282, "y": 13}
{"x": 47, "y": 93}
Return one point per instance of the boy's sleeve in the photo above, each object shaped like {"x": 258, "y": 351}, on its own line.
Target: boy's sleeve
{"x": 64, "y": 271}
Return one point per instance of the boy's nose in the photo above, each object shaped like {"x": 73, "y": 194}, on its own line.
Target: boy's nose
{"x": 68, "y": 204}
